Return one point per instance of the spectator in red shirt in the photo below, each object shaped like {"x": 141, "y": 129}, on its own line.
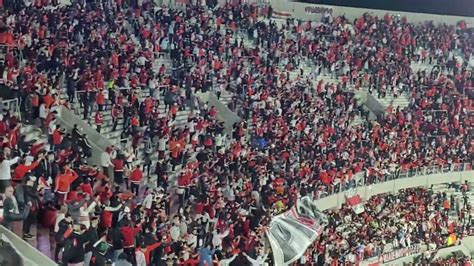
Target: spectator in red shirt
{"x": 116, "y": 112}
{"x": 129, "y": 234}
{"x": 100, "y": 100}
{"x": 119, "y": 164}
{"x": 22, "y": 169}
{"x": 99, "y": 120}
{"x": 57, "y": 137}
{"x": 135, "y": 179}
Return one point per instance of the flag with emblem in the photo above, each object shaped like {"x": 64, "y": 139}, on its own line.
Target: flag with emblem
{"x": 355, "y": 201}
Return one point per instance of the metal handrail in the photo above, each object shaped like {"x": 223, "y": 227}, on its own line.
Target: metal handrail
{"x": 360, "y": 179}
{"x": 13, "y": 105}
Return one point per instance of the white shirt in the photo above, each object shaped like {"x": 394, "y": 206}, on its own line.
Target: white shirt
{"x": 217, "y": 238}
{"x": 43, "y": 113}
{"x": 5, "y": 168}
{"x": 259, "y": 261}
{"x": 59, "y": 218}
{"x": 226, "y": 262}
{"x": 140, "y": 258}
{"x": 148, "y": 201}
{"x": 105, "y": 159}
{"x": 85, "y": 214}
{"x": 175, "y": 233}
{"x": 162, "y": 144}
{"x": 192, "y": 240}
{"x": 191, "y": 126}
{"x": 219, "y": 140}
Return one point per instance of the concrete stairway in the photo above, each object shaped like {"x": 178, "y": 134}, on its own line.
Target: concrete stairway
{"x": 115, "y": 135}
{"x": 401, "y": 101}
{"x": 419, "y": 66}
{"x": 306, "y": 65}
{"x": 163, "y": 60}
{"x": 226, "y": 97}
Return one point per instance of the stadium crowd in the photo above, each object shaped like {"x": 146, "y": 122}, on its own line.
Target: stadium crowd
{"x": 412, "y": 217}
{"x": 302, "y": 140}
{"x": 453, "y": 260}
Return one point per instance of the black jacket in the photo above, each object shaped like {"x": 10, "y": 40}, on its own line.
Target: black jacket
{"x": 74, "y": 249}
{"x": 9, "y": 213}
{"x": 116, "y": 238}
{"x": 92, "y": 237}
{"x": 31, "y": 195}
{"x": 47, "y": 169}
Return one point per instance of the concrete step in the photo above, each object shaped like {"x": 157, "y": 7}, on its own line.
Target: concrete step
{"x": 402, "y": 101}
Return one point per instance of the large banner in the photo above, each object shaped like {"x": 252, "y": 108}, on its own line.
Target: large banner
{"x": 463, "y": 8}
{"x": 393, "y": 255}
{"x": 402, "y": 252}
{"x": 292, "y": 232}
{"x": 353, "y": 199}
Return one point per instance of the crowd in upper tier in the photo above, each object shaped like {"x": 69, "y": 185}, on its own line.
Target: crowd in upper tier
{"x": 217, "y": 188}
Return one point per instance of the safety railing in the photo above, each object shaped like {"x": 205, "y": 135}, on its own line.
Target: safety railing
{"x": 17, "y": 52}
{"x": 362, "y": 179}
{"x": 432, "y": 112}
{"x": 67, "y": 119}
{"x": 436, "y": 114}
{"x": 125, "y": 143}
{"x": 147, "y": 145}
{"x": 163, "y": 55}
{"x": 13, "y": 105}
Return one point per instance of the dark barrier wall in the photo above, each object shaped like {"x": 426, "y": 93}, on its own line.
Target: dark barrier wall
{"x": 442, "y": 7}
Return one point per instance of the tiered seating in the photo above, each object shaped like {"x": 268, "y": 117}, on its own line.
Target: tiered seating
{"x": 308, "y": 133}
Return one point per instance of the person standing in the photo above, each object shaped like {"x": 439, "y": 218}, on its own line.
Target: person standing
{"x": 127, "y": 113}
{"x": 63, "y": 183}
{"x": 71, "y": 85}
{"x": 100, "y": 100}
{"x": 92, "y": 236}
{"x": 100, "y": 249}
{"x": 57, "y": 137}
{"x": 99, "y": 120}
{"x": 62, "y": 229}
{"x": 106, "y": 160}
{"x": 116, "y": 112}
{"x": 161, "y": 172}
{"x": 205, "y": 255}
{"x": 5, "y": 170}
{"x": 74, "y": 252}
{"x": 31, "y": 196}
{"x": 114, "y": 236}
{"x": 11, "y": 212}
{"x": 129, "y": 234}
{"x": 135, "y": 180}
{"x": 86, "y": 98}
{"x": 119, "y": 164}
{"x": 140, "y": 258}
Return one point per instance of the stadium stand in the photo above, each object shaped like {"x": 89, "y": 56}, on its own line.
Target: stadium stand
{"x": 178, "y": 187}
